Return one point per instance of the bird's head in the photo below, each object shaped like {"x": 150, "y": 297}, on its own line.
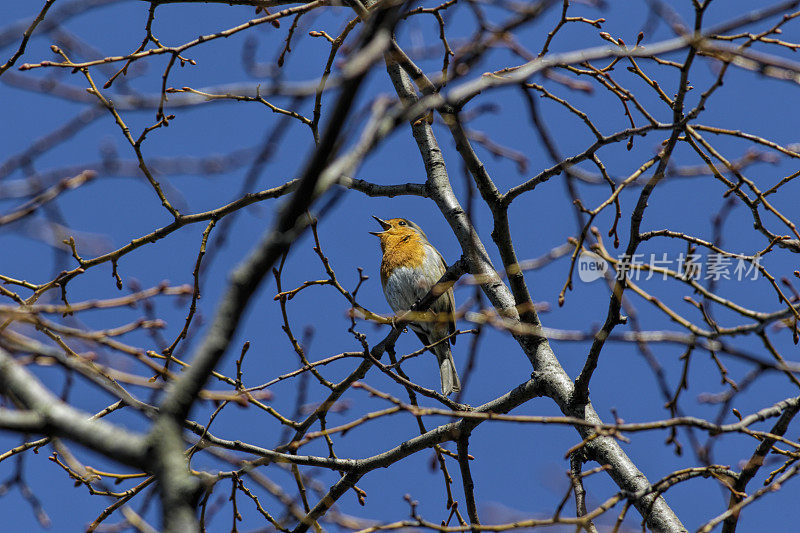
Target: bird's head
{"x": 397, "y": 227}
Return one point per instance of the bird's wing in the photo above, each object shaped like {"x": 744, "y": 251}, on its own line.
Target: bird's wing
{"x": 450, "y": 303}
{"x": 452, "y": 325}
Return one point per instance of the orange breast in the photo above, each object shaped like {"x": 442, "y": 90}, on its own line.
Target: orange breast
{"x": 400, "y": 251}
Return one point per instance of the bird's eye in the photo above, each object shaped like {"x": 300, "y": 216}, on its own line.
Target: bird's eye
{"x": 402, "y": 222}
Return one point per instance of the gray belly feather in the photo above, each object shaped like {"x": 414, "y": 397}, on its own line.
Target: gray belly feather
{"x": 405, "y": 286}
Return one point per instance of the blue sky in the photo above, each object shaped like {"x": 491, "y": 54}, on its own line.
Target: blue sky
{"x": 519, "y": 469}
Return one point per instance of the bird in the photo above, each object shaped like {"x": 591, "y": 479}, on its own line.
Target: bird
{"x": 410, "y": 267}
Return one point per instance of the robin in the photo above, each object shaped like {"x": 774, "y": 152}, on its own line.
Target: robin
{"x": 409, "y": 268}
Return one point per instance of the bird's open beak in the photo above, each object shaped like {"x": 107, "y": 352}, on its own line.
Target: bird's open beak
{"x": 385, "y": 225}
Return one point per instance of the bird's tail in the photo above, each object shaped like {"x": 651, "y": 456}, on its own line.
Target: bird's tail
{"x": 447, "y": 368}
